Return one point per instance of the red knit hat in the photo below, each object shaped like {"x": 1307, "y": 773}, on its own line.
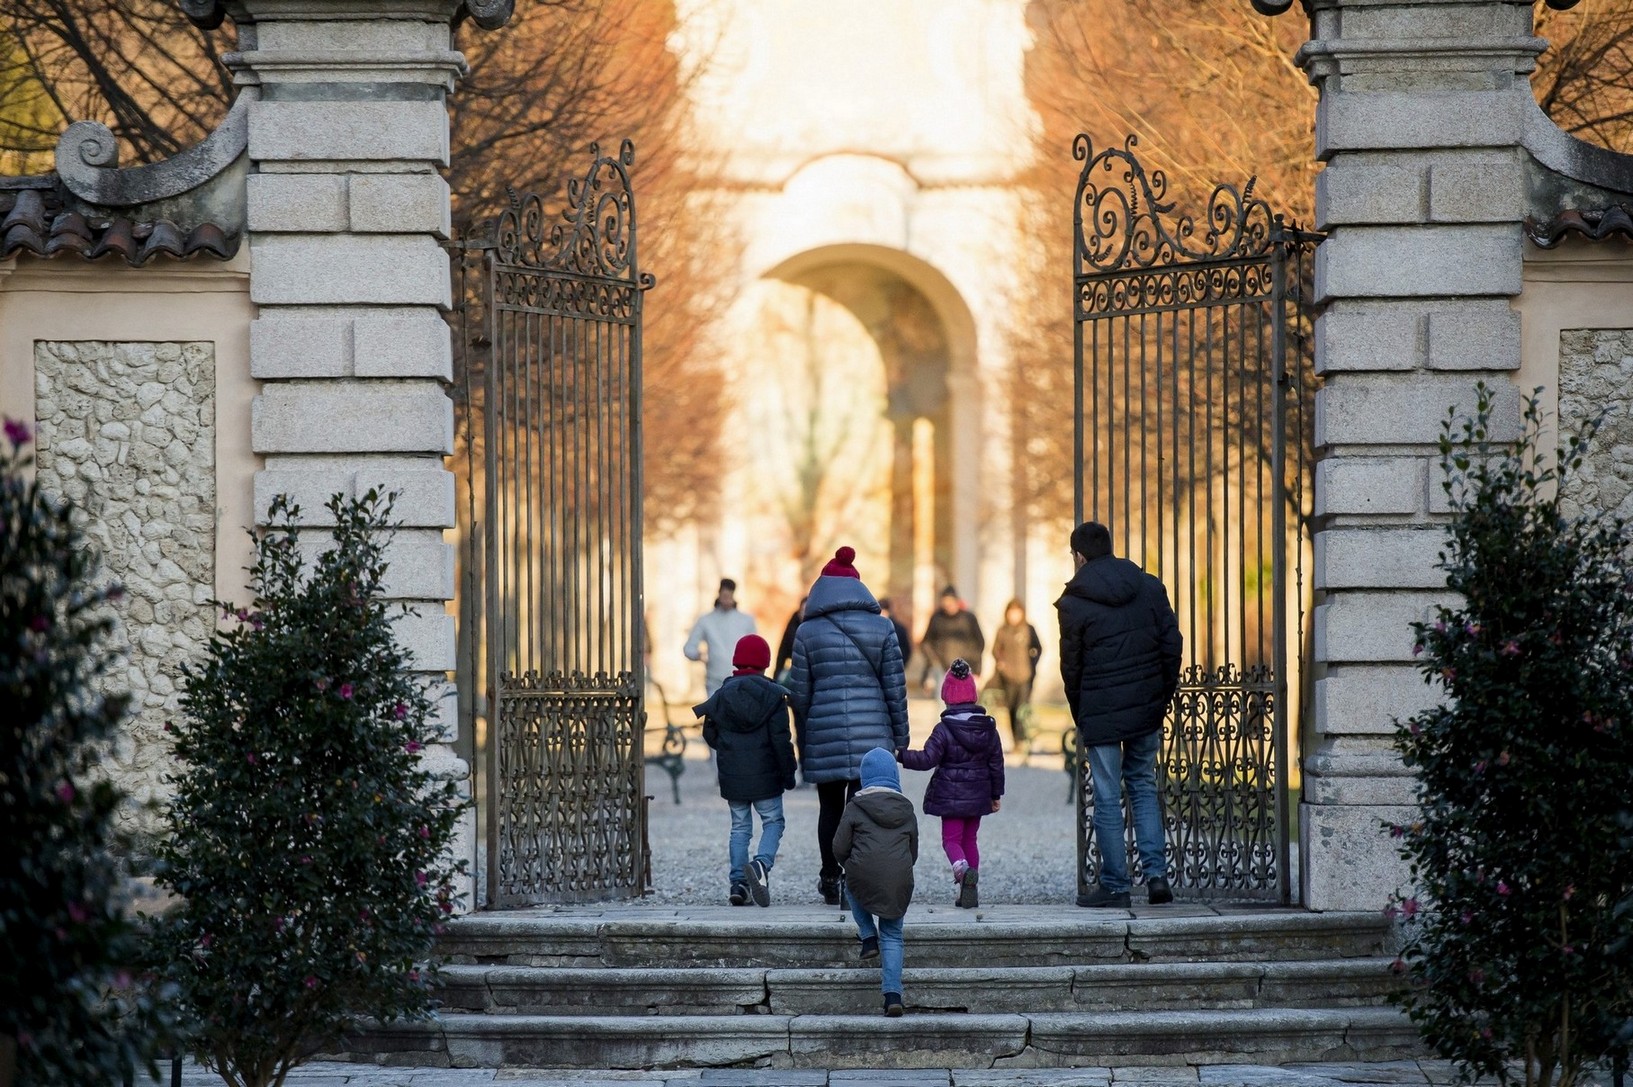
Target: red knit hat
{"x": 752, "y": 654}
{"x": 959, "y": 686}
{"x": 840, "y": 564}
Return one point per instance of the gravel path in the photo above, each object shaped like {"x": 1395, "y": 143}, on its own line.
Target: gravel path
{"x": 1028, "y": 850}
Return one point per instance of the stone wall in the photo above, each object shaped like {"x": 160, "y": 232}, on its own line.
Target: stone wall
{"x": 1596, "y": 374}
{"x": 127, "y": 431}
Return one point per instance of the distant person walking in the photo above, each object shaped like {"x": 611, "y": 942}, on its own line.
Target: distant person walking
{"x": 903, "y": 639}
{"x": 785, "y": 648}
{"x": 717, "y": 631}
{"x": 746, "y": 723}
{"x": 1120, "y": 650}
{"x": 968, "y": 782}
{"x": 1015, "y": 653}
{"x": 878, "y": 841}
{"x": 952, "y": 632}
{"x": 849, "y": 695}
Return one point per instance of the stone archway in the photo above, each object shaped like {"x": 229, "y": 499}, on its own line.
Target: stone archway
{"x": 854, "y": 390}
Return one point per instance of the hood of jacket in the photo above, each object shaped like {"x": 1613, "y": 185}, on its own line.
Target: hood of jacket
{"x": 833, "y": 594}
{"x": 969, "y": 726}
{"x": 1108, "y": 580}
{"x": 744, "y": 702}
{"x": 886, "y": 807}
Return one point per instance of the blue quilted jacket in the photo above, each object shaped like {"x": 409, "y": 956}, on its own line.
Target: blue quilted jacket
{"x": 847, "y": 687}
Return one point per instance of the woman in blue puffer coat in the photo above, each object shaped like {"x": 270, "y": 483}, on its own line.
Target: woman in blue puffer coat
{"x": 849, "y": 694}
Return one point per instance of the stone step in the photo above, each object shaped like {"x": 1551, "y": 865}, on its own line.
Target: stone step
{"x": 808, "y": 938}
{"x": 917, "y": 1040}
{"x": 1151, "y": 986}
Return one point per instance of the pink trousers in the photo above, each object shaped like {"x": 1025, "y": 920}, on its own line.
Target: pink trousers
{"x": 958, "y": 839}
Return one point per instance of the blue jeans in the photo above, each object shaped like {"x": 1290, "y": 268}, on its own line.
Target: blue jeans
{"x": 742, "y": 827}
{"x": 1133, "y": 762}
{"x": 889, "y": 931}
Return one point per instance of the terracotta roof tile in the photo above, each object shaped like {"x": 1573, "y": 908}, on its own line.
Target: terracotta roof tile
{"x": 1595, "y": 224}
{"x": 33, "y": 219}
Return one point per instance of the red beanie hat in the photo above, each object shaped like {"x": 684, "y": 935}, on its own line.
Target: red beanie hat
{"x": 752, "y": 654}
{"x": 959, "y": 686}
{"x": 840, "y": 564}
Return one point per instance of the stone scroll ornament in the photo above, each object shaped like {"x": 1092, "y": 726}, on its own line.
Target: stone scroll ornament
{"x": 487, "y": 14}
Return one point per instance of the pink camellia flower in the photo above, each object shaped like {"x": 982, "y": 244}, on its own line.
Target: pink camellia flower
{"x": 1440, "y": 626}
{"x": 40, "y": 624}
{"x": 204, "y": 941}
{"x": 1480, "y": 767}
{"x": 425, "y": 832}
{"x": 414, "y": 976}
{"x": 322, "y": 683}
{"x": 1485, "y": 1032}
{"x": 1397, "y": 831}
{"x": 1472, "y": 629}
{"x": 65, "y": 792}
{"x": 1417, "y": 650}
{"x": 77, "y": 913}
{"x": 346, "y": 691}
{"x": 1409, "y": 908}
{"x": 1511, "y": 648}
{"x": 413, "y": 746}
{"x": 419, "y": 879}
{"x": 399, "y": 711}
{"x": 1466, "y": 917}
{"x": 251, "y": 758}
{"x": 1570, "y": 891}
{"x": 1398, "y": 966}
{"x": 311, "y": 981}
{"x": 1502, "y": 759}
{"x": 278, "y": 924}
{"x": 1503, "y": 888}
{"x": 1415, "y": 729}
{"x": 1448, "y": 674}
{"x": 1568, "y": 949}
{"x": 18, "y": 433}
{"x": 1391, "y": 911}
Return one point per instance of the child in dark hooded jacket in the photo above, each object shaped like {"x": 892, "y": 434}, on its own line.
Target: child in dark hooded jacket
{"x": 878, "y": 842}
{"x": 968, "y": 759}
{"x": 746, "y": 723}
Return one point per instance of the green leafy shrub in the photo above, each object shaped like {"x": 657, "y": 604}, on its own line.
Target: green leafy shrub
{"x": 308, "y": 841}
{"x": 66, "y": 947}
{"x": 1518, "y": 957}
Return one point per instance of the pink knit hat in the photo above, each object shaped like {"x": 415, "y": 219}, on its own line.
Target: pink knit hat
{"x": 959, "y": 686}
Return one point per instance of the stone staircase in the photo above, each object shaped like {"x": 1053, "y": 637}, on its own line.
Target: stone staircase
{"x": 645, "y": 987}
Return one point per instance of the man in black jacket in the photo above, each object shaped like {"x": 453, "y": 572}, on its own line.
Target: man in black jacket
{"x": 1120, "y": 651}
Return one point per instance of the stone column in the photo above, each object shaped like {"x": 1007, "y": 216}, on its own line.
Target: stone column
{"x": 1419, "y": 124}
{"x": 348, "y": 128}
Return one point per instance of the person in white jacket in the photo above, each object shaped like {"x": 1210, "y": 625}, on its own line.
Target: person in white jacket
{"x": 717, "y": 630}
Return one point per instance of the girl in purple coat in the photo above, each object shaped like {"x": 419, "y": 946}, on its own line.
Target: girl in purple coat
{"x": 968, "y": 760}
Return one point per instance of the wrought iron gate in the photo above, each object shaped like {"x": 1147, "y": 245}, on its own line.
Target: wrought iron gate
{"x": 552, "y": 590}
{"x": 1192, "y": 380}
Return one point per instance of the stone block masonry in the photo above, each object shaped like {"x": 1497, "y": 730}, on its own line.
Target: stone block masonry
{"x": 1596, "y": 375}
{"x": 127, "y": 431}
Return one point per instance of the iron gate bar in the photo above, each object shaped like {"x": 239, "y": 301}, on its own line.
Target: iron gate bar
{"x": 1137, "y": 267}
{"x": 564, "y": 785}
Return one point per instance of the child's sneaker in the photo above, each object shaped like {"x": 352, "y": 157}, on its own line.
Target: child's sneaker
{"x": 739, "y": 894}
{"x": 959, "y": 868}
{"x": 967, "y": 898}
{"x": 759, "y": 882}
{"x": 870, "y": 948}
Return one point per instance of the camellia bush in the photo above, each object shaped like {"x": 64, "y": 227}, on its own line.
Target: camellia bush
{"x": 70, "y": 1013}
{"x": 308, "y": 841}
{"x": 1518, "y": 948}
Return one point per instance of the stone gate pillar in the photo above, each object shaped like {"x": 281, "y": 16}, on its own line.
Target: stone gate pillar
{"x": 1420, "y": 125}
{"x": 348, "y": 129}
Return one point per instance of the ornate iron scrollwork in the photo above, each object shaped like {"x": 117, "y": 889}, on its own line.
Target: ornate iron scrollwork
{"x": 594, "y": 235}
{"x": 1124, "y": 219}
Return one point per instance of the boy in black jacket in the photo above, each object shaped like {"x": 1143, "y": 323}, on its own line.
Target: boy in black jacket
{"x": 746, "y": 722}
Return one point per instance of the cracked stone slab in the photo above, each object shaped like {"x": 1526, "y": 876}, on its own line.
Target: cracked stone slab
{"x": 1031, "y": 1077}
{"x": 913, "y": 1041}
{"x": 1372, "y": 1073}
{"x": 1154, "y": 1076}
